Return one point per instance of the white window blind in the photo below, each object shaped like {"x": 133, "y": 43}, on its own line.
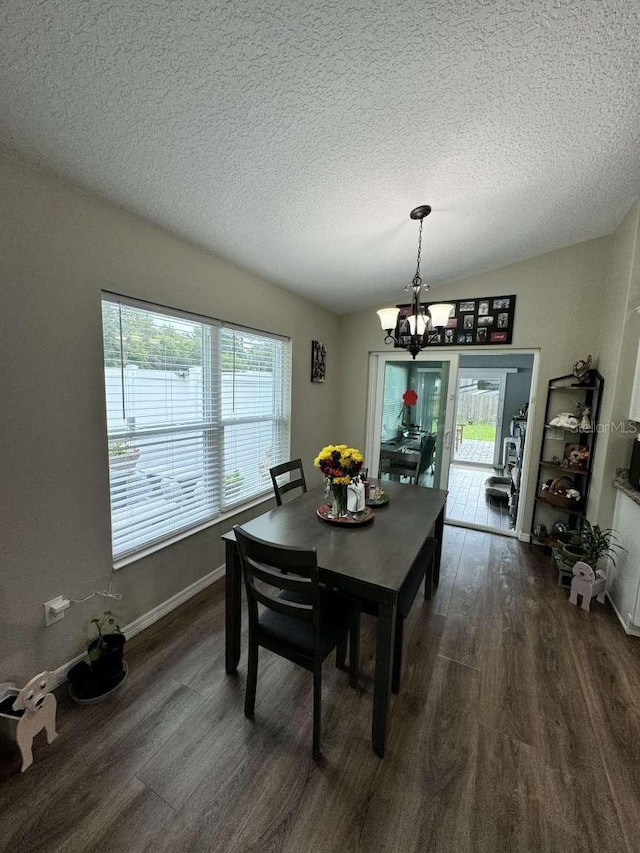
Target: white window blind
{"x": 197, "y": 413}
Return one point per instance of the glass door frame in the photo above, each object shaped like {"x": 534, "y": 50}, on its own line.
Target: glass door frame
{"x": 377, "y": 365}
{"x": 499, "y": 374}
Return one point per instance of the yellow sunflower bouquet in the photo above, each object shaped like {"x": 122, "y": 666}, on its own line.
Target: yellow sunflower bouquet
{"x": 339, "y": 464}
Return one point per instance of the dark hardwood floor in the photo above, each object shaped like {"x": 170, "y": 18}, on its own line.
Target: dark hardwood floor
{"x": 517, "y": 729}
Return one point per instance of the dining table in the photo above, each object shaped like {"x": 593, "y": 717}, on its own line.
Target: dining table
{"x": 370, "y": 561}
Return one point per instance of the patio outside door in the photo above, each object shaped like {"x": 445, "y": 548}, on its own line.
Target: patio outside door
{"x": 410, "y": 418}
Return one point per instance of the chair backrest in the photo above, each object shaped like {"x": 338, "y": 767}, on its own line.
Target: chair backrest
{"x": 400, "y": 464}
{"x": 292, "y": 483}
{"x": 277, "y": 568}
{"x": 426, "y": 451}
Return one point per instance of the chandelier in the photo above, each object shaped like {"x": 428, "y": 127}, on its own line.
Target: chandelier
{"x": 424, "y": 321}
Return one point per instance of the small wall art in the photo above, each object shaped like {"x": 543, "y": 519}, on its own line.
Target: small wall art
{"x": 475, "y": 322}
{"x": 318, "y": 361}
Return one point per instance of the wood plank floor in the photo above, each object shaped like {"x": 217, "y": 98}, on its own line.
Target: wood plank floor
{"x": 517, "y": 729}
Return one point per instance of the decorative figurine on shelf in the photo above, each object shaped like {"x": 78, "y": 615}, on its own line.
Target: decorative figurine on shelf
{"x": 565, "y": 420}
{"x": 559, "y": 528}
{"x": 576, "y": 456}
{"x": 581, "y": 369}
{"x": 585, "y": 423}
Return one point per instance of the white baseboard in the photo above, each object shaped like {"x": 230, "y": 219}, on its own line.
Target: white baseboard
{"x": 147, "y": 619}
{"x": 628, "y": 626}
{"x": 524, "y": 537}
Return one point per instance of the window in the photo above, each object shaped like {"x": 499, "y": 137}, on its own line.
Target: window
{"x": 197, "y": 414}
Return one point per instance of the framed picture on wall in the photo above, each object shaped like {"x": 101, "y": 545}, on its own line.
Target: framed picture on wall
{"x": 318, "y": 361}
{"x": 477, "y": 322}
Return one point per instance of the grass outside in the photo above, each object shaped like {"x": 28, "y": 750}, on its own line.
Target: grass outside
{"x": 479, "y": 432}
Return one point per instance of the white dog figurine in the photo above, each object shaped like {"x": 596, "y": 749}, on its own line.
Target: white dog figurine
{"x": 39, "y": 708}
{"x": 587, "y": 584}
{"x": 565, "y": 420}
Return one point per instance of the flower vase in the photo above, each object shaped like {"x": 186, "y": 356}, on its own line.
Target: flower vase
{"x": 339, "y": 504}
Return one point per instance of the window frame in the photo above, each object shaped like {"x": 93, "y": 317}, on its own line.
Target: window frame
{"x": 212, "y": 428}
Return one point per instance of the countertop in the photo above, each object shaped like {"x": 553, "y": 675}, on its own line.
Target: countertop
{"x": 621, "y": 481}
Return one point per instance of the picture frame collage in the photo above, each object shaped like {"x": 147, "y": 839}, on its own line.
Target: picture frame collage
{"x": 486, "y": 321}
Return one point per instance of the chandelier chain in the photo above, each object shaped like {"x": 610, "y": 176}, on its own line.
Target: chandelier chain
{"x": 416, "y": 277}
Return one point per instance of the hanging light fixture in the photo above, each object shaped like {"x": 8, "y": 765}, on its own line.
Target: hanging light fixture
{"x": 425, "y": 321}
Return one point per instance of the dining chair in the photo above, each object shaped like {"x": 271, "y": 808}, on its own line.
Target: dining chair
{"x": 281, "y": 470}
{"x": 427, "y": 452}
{"x": 291, "y": 615}
{"x": 399, "y": 464}
{"x": 422, "y": 568}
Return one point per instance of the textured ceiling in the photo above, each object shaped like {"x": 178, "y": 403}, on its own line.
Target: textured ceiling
{"x": 293, "y": 137}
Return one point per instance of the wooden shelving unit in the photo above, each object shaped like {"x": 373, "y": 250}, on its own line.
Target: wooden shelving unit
{"x": 555, "y": 443}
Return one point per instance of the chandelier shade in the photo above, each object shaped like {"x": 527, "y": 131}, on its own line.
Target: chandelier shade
{"x": 440, "y": 313}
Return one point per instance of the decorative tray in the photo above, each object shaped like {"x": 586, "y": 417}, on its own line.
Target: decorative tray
{"x": 382, "y": 500}
{"x": 351, "y": 520}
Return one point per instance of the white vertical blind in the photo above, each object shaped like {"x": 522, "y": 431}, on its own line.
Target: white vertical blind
{"x": 197, "y": 413}
{"x": 396, "y": 377}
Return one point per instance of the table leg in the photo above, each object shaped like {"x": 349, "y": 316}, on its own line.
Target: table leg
{"x": 382, "y": 683}
{"x": 438, "y": 532}
{"x": 233, "y": 605}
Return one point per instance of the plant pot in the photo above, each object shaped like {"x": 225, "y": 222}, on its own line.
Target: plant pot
{"x": 570, "y": 554}
{"x": 109, "y": 663}
{"x": 92, "y": 679}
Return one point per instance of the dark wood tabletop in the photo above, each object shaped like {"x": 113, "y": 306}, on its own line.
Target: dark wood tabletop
{"x": 371, "y": 561}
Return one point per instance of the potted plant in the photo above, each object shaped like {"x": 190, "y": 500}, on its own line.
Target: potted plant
{"x": 104, "y": 668}
{"x": 598, "y": 543}
{"x": 572, "y": 547}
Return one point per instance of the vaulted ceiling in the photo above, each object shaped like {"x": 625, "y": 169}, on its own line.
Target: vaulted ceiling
{"x": 294, "y": 137}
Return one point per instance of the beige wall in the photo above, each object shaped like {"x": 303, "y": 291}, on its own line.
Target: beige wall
{"x": 618, "y": 351}
{"x": 559, "y": 298}
{"x": 59, "y": 247}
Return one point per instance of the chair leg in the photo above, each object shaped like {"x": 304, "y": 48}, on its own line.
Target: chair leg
{"x": 354, "y": 653}
{"x": 341, "y": 653}
{"x": 428, "y": 581}
{"x": 397, "y": 656}
{"x": 252, "y": 680}
{"x": 317, "y": 710}
{"x": 428, "y": 575}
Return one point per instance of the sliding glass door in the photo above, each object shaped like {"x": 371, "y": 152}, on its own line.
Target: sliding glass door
{"x": 410, "y": 418}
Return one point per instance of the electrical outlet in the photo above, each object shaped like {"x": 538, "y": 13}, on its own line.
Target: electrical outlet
{"x": 54, "y": 609}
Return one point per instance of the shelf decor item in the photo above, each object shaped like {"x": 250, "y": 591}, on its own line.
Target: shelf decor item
{"x": 339, "y": 465}
{"x": 582, "y": 368}
{"x": 577, "y": 456}
{"x": 568, "y": 447}
{"x": 561, "y": 492}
